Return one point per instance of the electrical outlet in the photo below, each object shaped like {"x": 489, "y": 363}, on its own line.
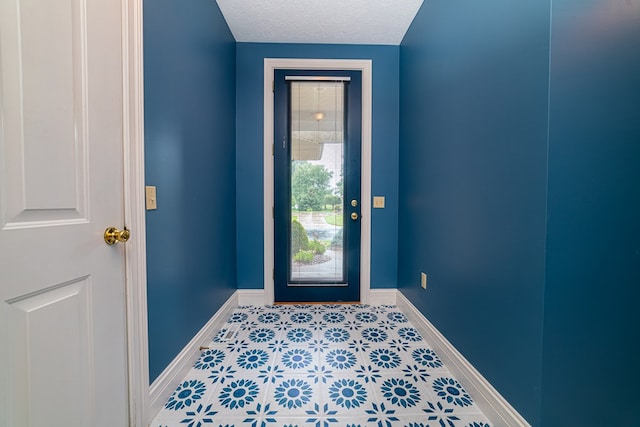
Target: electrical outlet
{"x": 423, "y": 280}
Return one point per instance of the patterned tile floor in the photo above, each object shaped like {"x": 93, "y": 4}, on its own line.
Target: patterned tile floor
{"x": 321, "y": 366}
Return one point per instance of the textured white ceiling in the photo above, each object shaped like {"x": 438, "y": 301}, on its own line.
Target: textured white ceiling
{"x": 319, "y": 21}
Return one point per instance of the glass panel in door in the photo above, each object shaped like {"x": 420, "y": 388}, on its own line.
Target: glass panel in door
{"x": 317, "y": 159}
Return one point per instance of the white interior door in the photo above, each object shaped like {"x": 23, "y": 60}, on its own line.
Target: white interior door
{"x": 62, "y": 299}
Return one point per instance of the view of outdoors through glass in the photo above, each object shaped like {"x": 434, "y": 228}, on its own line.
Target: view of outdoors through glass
{"x": 317, "y": 166}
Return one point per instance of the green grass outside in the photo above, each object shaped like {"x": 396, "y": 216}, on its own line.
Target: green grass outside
{"x": 334, "y": 220}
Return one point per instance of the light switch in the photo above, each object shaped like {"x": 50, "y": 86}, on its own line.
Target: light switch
{"x": 378, "y": 202}
{"x": 152, "y": 203}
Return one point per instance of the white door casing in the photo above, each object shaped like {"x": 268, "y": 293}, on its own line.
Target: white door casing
{"x": 63, "y": 355}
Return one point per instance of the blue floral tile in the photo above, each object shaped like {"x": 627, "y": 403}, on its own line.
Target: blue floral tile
{"x": 374, "y": 335}
{"x": 252, "y": 359}
{"x": 346, "y": 395}
{"x": 234, "y": 398}
{"x": 401, "y": 393}
{"x": 385, "y": 359}
{"x": 188, "y": 393}
{"x": 270, "y": 374}
{"x": 340, "y": 359}
{"x": 450, "y": 390}
{"x": 209, "y": 359}
{"x": 321, "y": 416}
{"x": 261, "y": 335}
{"x": 336, "y": 335}
{"x": 342, "y": 365}
{"x": 369, "y": 373}
{"x": 333, "y": 317}
{"x": 301, "y": 317}
{"x": 294, "y": 395}
{"x": 320, "y": 374}
{"x": 440, "y": 415}
{"x": 352, "y": 325}
{"x": 366, "y": 317}
{"x": 222, "y": 374}
{"x": 387, "y": 325}
{"x": 474, "y": 421}
{"x": 238, "y": 317}
{"x": 239, "y": 393}
{"x": 426, "y": 357}
{"x": 299, "y": 335}
{"x": 382, "y": 415}
{"x": 359, "y": 346}
{"x": 268, "y": 318}
{"x": 409, "y": 334}
{"x": 399, "y": 346}
{"x": 199, "y": 416}
{"x": 416, "y": 373}
{"x": 398, "y": 317}
{"x": 298, "y": 360}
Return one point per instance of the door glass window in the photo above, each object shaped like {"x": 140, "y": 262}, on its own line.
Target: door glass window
{"x": 317, "y": 135}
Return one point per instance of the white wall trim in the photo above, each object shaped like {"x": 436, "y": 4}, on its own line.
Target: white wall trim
{"x": 492, "y": 404}
{"x": 256, "y": 296}
{"x": 366, "y": 66}
{"x": 251, "y": 297}
{"x": 134, "y": 212}
{"x": 382, "y": 296}
{"x": 173, "y": 374}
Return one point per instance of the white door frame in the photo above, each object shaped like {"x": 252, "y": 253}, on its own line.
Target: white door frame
{"x": 134, "y": 215}
{"x": 364, "y": 65}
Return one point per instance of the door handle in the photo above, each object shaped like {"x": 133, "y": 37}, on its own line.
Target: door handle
{"x": 112, "y": 235}
{"x": 354, "y": 216}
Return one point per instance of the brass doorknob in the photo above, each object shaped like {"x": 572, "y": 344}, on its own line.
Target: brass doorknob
{"x": 112, "y": 235}
{"x": 354, "y": 216}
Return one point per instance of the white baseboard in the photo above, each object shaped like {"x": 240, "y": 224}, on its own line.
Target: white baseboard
{"x": 382, "y": 296}
{"x": 168, "y": 380}
{"x": 257, "y": 297}
{"x": 492, "y": 404}
{"x": 251, "y": 297}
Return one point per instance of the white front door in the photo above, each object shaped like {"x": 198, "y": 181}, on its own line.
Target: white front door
{"x": 62, "y": 296}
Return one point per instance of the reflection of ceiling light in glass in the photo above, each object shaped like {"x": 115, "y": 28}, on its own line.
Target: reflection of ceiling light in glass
{"x": 318, "y": 116}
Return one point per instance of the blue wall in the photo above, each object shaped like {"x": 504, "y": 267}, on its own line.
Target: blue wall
{"x": 190, "y": 156}
{"x": 249, "y": 155}
{"x": 474, "y": 79}
{"x": 592, "y": 320}
{"x": 520, "y": 188}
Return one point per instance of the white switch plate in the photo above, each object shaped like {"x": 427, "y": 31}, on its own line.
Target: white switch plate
{"x": 378, "y": 202}
{"x": 423, "y": 280}
{"x": 150, "y": 192}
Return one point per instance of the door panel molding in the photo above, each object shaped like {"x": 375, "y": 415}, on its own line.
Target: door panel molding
{"x": 49, "y": 188}
{"x": 365, "y": 66}
{"x": 36, "y": 361}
